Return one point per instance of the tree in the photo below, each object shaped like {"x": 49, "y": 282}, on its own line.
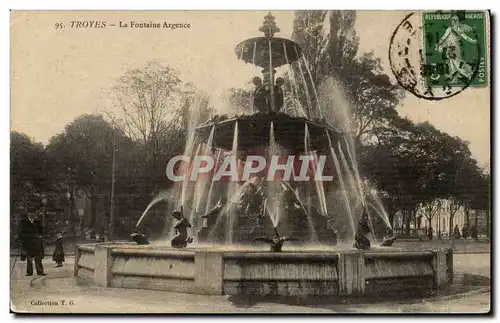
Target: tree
{"x": 28, "y": 177}
{"x": 240, "y": 100}
{"x": 480, "y": 196}
{"x": 431, "y": 208}
{"x": 417, "y": 165}
{"x": 81, "y": 159}
{"x": 310, "y": 34}
{"x": 333, "y": 55}
{"x": 148, "y": 97}
{"x": 412, "y": 165}
{"x": 157, "y": 111}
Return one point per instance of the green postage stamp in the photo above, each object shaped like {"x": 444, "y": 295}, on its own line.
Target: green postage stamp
{"x": 454, "y": 48}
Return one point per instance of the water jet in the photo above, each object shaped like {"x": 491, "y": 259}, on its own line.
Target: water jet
{"x": 225, "y": 257}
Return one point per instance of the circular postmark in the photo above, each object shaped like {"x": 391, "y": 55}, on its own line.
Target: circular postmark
{"x": 435, "y": 56}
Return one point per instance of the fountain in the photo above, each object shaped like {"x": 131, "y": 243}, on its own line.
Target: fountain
{"x": 279, "y": 169}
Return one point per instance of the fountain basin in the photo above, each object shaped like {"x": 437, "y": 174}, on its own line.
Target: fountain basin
{"x": 217, "y": 271}
{"x": 289, "y": 132}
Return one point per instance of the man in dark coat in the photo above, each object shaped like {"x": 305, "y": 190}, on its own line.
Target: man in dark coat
{"x": 31, "y": 240}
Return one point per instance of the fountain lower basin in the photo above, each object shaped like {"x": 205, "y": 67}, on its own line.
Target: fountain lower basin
{"x": 243, "y": 271}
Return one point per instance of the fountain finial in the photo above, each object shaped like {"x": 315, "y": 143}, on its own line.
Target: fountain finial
{"x": 269, "y": 27}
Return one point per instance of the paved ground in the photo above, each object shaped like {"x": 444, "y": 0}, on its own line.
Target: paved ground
{"x": 459, "y": 246}
{"x": 60, "y": 292}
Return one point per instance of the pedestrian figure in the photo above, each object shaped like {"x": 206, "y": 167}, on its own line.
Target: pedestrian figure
{"x": 431, "y": 232}
{"x": 31, "y": 240}
{"x": 58, "y": 254}
{"x": 474, "y": 232}
{"x": 456, "y": 232}
{"x": 465, "y": 232}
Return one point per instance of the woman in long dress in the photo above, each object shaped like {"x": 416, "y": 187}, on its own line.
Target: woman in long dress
{"x": 58, "y": 254}
{"x": 450, "y": 43}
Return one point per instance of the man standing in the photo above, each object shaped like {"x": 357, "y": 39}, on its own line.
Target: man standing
{"x": 456, "y": 232}
{"x": 465, "y": 232}
{"x": 31, "y": 239}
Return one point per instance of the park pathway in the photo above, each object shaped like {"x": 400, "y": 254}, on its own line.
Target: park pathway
{"x": 60, "y": 292}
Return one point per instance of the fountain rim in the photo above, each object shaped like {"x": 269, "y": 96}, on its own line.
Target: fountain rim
{"x": 263, "y": 38}
{"x": 125, "y": 247}
{"x": 252, "y": 41}
{"x": 271, "y": 116}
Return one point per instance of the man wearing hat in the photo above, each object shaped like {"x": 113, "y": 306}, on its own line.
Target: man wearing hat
{"x": 31, "y": 240}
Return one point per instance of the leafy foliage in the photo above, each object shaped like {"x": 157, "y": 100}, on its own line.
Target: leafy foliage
{"x": 27, "y": 170}
{"x": 412, "y": 165}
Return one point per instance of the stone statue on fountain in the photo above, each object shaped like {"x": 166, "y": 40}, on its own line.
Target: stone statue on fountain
{"x": 361, "y": 241}
{"x": 389, "y": 239}
{"x": 262, "y": 94}
{"x": 181, "y": 238}
{"x": 291, "y": 201}
{"x": 251, "y": 201}
{"x": 139, "y": 238}
{"x": 248, "y": 214}
{"x": 277, "y": 241}
{"x": 214, "y": 213}
{"x": 211, "y": 219}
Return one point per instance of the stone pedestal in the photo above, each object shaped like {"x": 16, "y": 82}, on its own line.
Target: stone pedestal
{"x": 77, "y": 259}
{"x": 449, "y": 265}
{"x": 103, "y": 262}
{"x": 440, "y": 268}
{"x": 351, "y": 273}
{"x": 209, "y": 272}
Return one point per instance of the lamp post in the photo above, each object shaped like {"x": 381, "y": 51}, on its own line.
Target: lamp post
{"x": 44, "y": 212}
{"x": 112, "y": 202}
{"x": 70, "y": 214}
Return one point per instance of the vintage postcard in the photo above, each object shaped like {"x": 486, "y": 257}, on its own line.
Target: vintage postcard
{"x": 318, "y": 161}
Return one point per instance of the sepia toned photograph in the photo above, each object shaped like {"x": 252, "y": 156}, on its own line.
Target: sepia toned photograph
{"x": 219, "y": 162}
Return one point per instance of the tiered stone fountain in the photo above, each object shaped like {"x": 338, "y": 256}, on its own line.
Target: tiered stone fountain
{"x": 226, "y": 257}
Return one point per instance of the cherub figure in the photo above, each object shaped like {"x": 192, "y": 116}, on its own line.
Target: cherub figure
{"x": 181, "y": 238}
{"x": 361, "y": 241}
{"x": 276, "y": 242}
{"x": 214, "y": 213}
{"x": 389, "y": 240}
{"x": 139, "y": 238}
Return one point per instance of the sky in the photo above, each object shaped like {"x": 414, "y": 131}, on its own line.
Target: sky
{"x": 59, "y": 74}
